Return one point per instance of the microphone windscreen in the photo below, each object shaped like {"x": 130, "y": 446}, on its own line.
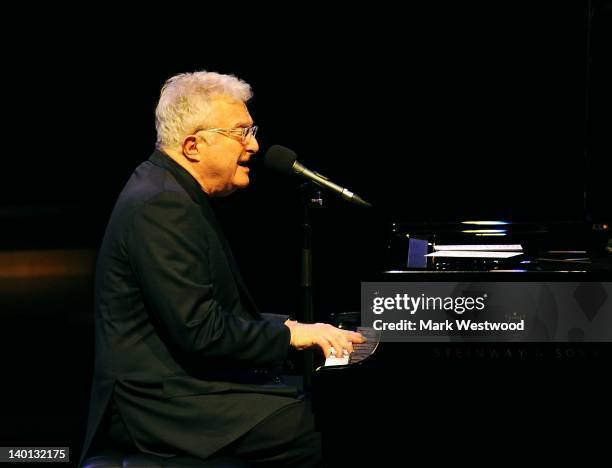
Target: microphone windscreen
{"x": 280, "y": 158}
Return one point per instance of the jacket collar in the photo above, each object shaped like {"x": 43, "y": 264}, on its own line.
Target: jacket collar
{"x": 184, "y": 178}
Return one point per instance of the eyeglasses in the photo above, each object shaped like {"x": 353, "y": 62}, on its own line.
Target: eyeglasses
{"x": 241, "y": 134}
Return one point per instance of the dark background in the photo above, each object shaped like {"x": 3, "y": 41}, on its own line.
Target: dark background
{"x": 433, "y": 113}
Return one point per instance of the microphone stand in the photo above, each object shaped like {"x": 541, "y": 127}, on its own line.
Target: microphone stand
{"x": 312, "y": 197}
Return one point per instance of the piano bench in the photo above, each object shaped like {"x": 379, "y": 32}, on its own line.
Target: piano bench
{"x": 112, "y": 458}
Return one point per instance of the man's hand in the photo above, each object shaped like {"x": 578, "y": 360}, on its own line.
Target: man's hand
{"x": 324, "y": 336}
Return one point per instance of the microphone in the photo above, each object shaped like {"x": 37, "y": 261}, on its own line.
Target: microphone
{"x": 284, "y": 160}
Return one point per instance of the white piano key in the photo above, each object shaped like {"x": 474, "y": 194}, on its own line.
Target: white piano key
{"x": 336, "y": 361}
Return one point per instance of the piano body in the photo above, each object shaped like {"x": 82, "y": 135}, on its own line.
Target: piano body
{"x": 475, "y": 403}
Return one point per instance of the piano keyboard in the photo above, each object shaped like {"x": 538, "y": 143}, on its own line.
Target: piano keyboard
{"x": 360, "y": 350}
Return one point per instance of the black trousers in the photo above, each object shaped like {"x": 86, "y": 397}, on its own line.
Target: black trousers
{"x": 285, "y": 438}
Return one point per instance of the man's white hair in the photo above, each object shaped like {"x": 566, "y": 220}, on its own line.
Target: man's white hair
{"x": 185, "y": 103}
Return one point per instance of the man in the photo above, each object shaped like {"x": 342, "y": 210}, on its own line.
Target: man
{"x": 185, "y": 363}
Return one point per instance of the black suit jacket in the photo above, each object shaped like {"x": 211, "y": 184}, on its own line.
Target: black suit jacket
{"x": 179, "y": 343}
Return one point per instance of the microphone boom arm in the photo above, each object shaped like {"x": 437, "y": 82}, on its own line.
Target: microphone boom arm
{"x": 325, "y": 182}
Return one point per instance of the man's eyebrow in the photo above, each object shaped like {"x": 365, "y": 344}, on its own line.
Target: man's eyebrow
{"x": 243, "y": 125}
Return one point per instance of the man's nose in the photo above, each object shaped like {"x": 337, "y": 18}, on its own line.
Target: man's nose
{"x": 252, "y": 145}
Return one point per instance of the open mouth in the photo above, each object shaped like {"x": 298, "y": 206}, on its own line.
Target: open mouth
{"x": 243, "y": 163}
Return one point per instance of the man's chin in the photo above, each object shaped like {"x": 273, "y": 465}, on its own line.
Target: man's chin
{"x": 242, "y": 182}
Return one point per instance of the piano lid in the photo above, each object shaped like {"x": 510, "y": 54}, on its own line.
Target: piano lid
{"x": 499, "y": 246}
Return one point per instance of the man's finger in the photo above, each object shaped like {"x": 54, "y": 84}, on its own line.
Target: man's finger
{"x": 356, "y": 337}
{"x": 348, "y": 346}
{"x": 338, "y": 346}
{"x": 324, "y": 345}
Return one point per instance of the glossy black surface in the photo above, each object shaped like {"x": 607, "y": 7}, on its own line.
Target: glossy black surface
{"x": 476, "y": 404}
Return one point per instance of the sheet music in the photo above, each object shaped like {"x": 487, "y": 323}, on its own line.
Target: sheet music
{"x": 491, "y": 247}
{"x": 473, "y": 254}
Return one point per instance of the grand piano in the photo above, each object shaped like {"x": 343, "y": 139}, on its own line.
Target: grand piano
{"x": 467, "y": 403}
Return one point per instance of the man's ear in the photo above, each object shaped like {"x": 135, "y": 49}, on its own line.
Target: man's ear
{"x": 190, "y": 148}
